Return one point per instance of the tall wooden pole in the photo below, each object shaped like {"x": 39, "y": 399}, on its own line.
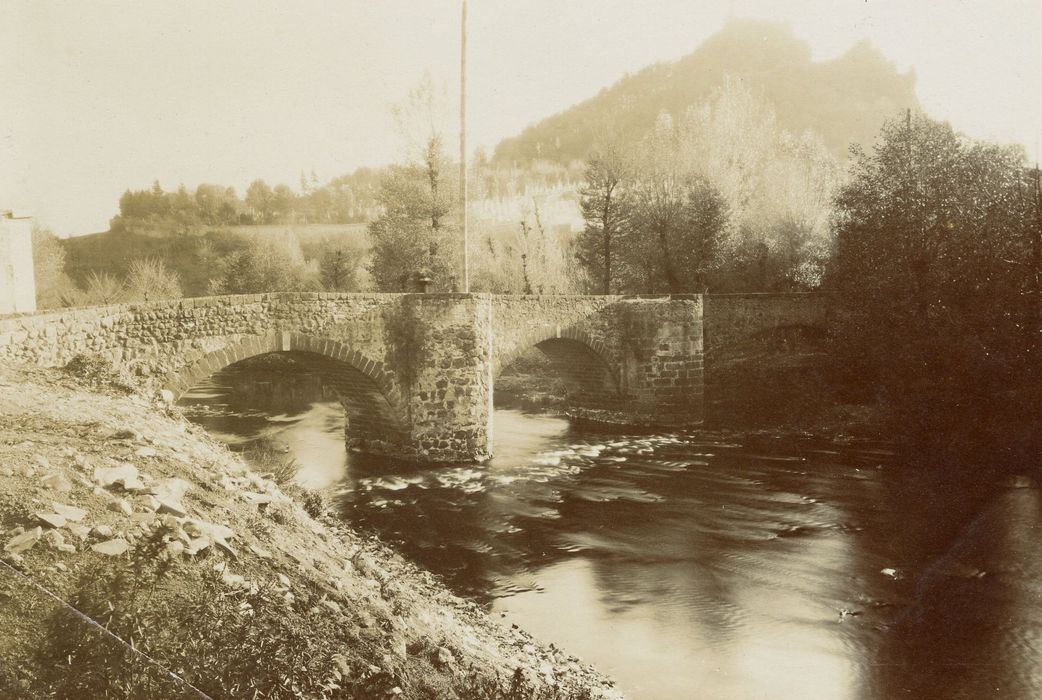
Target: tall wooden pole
{"x": 463, "y": 145}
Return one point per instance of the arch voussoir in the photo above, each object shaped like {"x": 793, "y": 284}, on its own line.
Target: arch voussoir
{"x": 244, "y": 348}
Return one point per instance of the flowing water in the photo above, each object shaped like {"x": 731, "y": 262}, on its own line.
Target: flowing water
{"x": 701, "y": 564}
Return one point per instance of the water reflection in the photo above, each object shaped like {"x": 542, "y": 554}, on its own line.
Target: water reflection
{"x": 703, "y": 564}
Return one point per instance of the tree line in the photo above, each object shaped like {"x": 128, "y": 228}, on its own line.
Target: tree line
{"x": 211, "y": 263}
{"x": 938, "y": 253}
{"x": 721, "y": 199}
{"x": 344, "y": 200}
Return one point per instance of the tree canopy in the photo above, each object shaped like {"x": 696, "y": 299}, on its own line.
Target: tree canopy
{"x": 936, "y": 251}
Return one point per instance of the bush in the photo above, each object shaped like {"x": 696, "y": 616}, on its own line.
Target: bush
{"x": 148, "y": 279}
{"x": 227, "y": 642}
{"x": 269, "y": 459}
{"x": 99, "y": 372}
{"x": 102, "y": 289}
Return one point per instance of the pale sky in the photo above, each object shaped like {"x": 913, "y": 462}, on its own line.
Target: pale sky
{"x": 99, "y": 97}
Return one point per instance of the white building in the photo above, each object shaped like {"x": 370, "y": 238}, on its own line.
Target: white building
{"x": 17, "y": 282}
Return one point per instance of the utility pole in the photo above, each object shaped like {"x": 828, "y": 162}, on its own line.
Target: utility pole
{"x": 463, "y": 145}
{"x": 1035, "y": 327}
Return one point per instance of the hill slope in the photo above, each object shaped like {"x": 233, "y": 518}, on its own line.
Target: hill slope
{"x": 209, "y": 577}
{"x": 845, "y": 100}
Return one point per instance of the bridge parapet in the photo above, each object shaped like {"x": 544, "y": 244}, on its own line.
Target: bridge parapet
{"x": 731, "y": 320}
{"x": 164, "y": 336}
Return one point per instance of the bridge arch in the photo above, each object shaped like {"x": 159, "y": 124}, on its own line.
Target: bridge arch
{"x": 578, "y": 358}
{"x": 367, "y": 390}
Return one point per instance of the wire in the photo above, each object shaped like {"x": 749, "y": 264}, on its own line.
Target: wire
{"x": 91, "y": 621}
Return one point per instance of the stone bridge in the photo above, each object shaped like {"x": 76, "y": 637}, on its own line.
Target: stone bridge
{"x": 415, "y": 372}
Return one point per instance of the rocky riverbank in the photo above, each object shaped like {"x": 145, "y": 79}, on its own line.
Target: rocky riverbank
{"x": 141, "y": 558}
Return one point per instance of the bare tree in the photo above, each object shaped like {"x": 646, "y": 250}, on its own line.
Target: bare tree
{"x": 603, "y": 205}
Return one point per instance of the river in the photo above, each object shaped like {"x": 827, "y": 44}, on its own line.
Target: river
{"x": 699, "y": 564}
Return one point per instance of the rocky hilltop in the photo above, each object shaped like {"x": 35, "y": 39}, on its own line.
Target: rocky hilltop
{"x": 844, "y": 99}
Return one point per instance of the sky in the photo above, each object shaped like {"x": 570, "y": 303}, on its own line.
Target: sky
{"x": 101, "y": 96}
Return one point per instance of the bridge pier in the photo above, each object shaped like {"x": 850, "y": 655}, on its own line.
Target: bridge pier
{"x": 661, "y": 359}
{"x": 441, "y": 349}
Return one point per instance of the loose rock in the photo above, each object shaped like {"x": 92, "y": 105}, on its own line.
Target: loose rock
{"x": 53, "y": 539}
{"x": 70, "y": 512}
{"x": 121, "y": 506}
{"x": 24, "y": 542}
{"x": 173, "y": 507}
{"x": 112, "y": 548}
{"x": 52, "y": 519}
{"x": 126, "y": 475}
{"x": 445, "y": 657}
{"x": 260, "y": 552}
{"x": 80, "y": 531}
{"x": 58, "y": 482}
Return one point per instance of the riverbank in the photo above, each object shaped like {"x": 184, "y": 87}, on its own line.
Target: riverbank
{"x": 141, "y": 558}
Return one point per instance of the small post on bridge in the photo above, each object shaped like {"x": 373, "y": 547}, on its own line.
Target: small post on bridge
{"x": 423, "y": 281}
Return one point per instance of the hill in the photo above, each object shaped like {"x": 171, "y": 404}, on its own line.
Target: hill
{"x": 844, "y": 100}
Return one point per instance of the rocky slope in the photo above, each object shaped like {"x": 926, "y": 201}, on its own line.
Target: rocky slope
{"x": 143, "y": 559}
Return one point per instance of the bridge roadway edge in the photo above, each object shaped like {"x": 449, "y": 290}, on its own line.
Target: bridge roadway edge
{"x": 433, "y": 358}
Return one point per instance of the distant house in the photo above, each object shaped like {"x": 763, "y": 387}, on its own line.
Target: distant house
{"x": 17, "y": 282}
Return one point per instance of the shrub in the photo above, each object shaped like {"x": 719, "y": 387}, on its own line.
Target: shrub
{"x": 148, "y": 279}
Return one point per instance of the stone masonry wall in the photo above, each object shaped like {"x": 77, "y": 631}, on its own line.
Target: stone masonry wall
{"x": 164, "y": 338}
{"x": 732, "y": 319}
{"x": 661, "y": 347}
{"x": 520, "y": 322}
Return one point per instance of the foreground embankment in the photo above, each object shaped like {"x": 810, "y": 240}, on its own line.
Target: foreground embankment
{"x": 141, "y": 558}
